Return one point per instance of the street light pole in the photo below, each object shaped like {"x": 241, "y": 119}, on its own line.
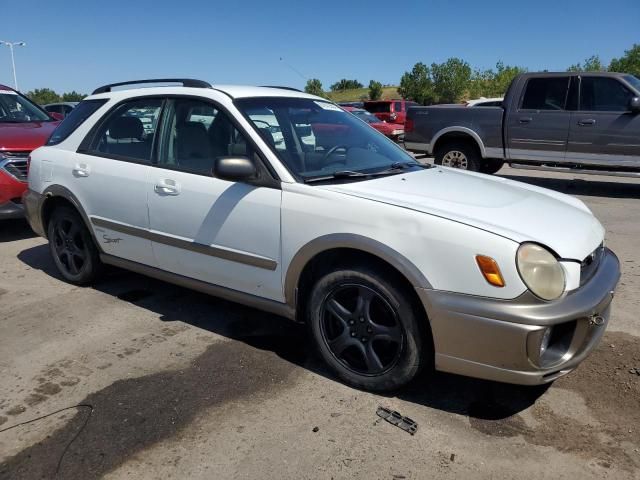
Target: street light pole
{"x": 13, "y": 61}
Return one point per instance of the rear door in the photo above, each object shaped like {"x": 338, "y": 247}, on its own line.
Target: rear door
{"x": 110, "y": 174}
{"x": 604, "y": 131}
{"x": 538, "y": 127}
{"x": 221, "y": 232}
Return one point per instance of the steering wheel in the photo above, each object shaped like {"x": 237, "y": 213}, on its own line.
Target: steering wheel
{"x": 332, "y": 150}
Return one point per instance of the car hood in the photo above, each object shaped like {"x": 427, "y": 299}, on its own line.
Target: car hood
{"x": 25, "y": 136}
{"x": 507, "y": 208}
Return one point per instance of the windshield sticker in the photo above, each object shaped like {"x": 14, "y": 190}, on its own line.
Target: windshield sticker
{"x": 7, "y": 92}
{"x": 328, "y": 106}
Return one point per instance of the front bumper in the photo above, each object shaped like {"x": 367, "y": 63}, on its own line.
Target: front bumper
{"x": 11, "y": 209}
{"x": 499, "y": 339}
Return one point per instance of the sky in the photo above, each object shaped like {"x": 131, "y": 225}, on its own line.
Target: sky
{"x": 81, "y": 45}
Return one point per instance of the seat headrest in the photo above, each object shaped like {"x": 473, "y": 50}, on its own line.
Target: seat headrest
{"x": 126, "y": 127}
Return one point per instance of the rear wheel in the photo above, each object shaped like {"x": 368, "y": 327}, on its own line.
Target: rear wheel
{"x": 72, "y": 247}
{"x": 460, "y": 155}
{"x": 366, "y": 329}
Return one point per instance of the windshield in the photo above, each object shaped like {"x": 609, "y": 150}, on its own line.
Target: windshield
{"x": 365, "y": 116}
{"x": 318, "y": 139}
{"x": 378, "y": 107}
{"x": 634, "y": 81}
{"x": 15, "y": 108}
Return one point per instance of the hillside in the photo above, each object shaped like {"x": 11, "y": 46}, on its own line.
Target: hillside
{"x": 360, "y": 94}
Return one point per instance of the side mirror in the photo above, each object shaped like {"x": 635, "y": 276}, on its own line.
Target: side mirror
{"x": 56, "y": 115}
{"x": 635, "y": 104}
{"x": 234, "y": 168}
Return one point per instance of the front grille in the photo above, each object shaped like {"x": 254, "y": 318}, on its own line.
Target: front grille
{"x": 16, "y": 168}
{"x": 590, "y": 264}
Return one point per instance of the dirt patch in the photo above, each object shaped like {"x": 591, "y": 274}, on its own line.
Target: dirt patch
{"x": 612, "y": 393}
{"x": 131, "y": 415}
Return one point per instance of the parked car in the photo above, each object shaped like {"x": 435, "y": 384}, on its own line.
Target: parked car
{"x": 392, "y": 111}
{"x": 485, "y": 102}
{"x": 393, "y": 265}
{"x": 24, "y": 126}
{"x": 63, "y": 108}
{"x": 392, "y": 130}
{"x": 578, "y": 122}
{"x": 351, "y": 104}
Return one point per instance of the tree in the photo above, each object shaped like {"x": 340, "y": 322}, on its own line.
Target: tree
{"x": 375, "y": 90}
{"x": 43, "y": 96}
{"x": 72, "y": 96}
{"x": 591, "y": 64}
{"x": 451, "y": 79}
{"x": 493, "y": 83}
{"x": 417, "y": 85}
{"x": 345, "y": 84}
{"x": 628, "y": 63}
{"x": 314, "y": 87}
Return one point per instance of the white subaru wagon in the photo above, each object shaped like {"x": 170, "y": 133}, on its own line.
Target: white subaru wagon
{"x": 281, "y": 200}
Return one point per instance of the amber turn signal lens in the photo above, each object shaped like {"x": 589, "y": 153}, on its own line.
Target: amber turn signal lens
{"x": 490, "y": 270}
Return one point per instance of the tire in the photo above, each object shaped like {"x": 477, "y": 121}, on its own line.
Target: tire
{"x": 461, "y": 155}
{"x": 72, "y": 247}
{"x": 491, "y": 166}
{"x": 345, "y": 335}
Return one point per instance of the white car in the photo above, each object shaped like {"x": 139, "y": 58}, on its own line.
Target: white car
{"x": 485, "y": 102}
{"x": 393, "y": 265}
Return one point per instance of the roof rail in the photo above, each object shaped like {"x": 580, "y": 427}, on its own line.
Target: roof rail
{"x": 282, "y": 88}
{"x": 186, "y": 82}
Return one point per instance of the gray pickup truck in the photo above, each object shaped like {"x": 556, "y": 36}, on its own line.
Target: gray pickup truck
{"x": 577, "y": 122}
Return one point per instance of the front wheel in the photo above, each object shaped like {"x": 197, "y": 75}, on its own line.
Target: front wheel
{"x": 458, "y": 155}
{"x": 366, "y": 329}
{"x": 72, "y": 247}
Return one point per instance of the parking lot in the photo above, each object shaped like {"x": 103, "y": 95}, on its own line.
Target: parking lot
{"x": 150, "y": 380}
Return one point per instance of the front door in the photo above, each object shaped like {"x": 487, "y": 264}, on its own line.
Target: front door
{"x": 604, "y": 131}
{"x": 221, "y": 232}
{"x": 110, "y": 178}
{"x": 538, "y": 129}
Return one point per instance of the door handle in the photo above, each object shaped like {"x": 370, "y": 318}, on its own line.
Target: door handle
{"x": 81, "y": 170}
{"x": 167, "y": 187}
{"x": 525, "y": 119}
{"x": 586, "y": 121}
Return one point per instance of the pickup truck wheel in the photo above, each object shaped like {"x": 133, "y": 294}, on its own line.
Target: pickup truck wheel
{"x": 458, "y": 155}
{"x": 72, "y": 247}
{"x": 366, "y": 329}
{"x": 491, "y": 166}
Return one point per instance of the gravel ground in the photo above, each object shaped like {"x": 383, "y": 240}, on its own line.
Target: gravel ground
{"x": 142, "y": 379}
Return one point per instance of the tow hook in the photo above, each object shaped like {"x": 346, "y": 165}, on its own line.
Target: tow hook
{"x": 596, "y": 320}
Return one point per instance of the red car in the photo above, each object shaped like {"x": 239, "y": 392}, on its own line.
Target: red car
{"x": 391, "y": 130}
{"x": 24, "y": 126}
{"x": 392, "y": 111}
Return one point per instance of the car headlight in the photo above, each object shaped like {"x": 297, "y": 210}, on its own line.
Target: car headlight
{"x": 540, "y": 271}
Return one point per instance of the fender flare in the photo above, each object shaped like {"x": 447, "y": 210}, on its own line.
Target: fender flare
{"x": 460, "y": 129}
{"x": 353, "y": 241}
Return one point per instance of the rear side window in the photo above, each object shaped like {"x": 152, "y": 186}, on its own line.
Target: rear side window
{"x": 601, "y": 94}
{"x": 397, "y": 107}
{"x": 128, "y": 132}
{"x": 378, "y": 107}
{"x": 74, "y": 119}
{"x": 546, "y": 93}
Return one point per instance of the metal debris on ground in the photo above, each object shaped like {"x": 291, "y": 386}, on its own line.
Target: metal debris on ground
{"x": 395, "y": 418}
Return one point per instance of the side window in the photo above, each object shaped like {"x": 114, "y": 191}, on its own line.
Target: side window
{"x": 52, "y": 109}
{"x": 545, "y": 93}
{"x": 194, "y": 134}
{"x": 397, "y": 106}
{"x": 78, "y": 115}
{"x": 66, "y": 110}
{"x": 128, "y": 132}
{"x": 601, "y": 94}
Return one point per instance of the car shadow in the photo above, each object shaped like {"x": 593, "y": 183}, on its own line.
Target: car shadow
{"x": 578, "y": 186}
{"x": 15, "y": 229}
{"x": 456, "y": 394}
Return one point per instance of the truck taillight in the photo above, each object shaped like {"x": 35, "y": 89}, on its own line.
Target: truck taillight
{"x": 408, "y": 125}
